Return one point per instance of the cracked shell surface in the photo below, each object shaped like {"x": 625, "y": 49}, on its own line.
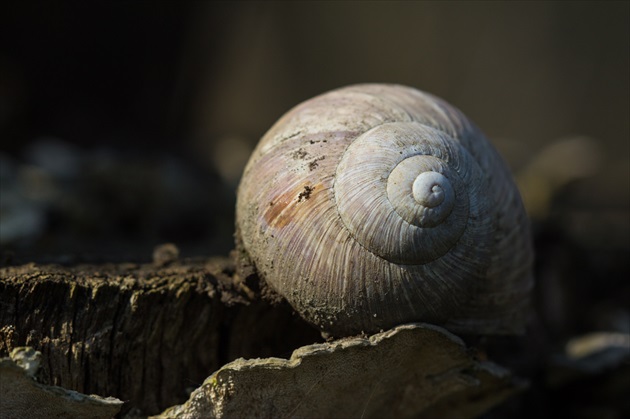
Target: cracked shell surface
{"x": 376, "y": 205}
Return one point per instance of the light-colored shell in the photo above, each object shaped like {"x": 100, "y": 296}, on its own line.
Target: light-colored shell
{"x": 375, "y": 205}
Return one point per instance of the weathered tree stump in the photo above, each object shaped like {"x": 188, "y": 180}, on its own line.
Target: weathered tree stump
{"x": 145, "y": 333}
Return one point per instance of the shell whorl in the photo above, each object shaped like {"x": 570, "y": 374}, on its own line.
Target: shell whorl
{"x": 404, "y": 176}
{"x": 375, "y": 205}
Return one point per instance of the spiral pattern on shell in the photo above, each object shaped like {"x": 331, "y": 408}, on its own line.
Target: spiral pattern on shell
{"x": 375, "y": 205}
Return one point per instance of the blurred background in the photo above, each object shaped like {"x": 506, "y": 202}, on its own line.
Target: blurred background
{"x": 127, "y": 124}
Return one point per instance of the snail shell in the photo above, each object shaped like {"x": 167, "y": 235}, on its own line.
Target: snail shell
{"x": 375, "y": 205}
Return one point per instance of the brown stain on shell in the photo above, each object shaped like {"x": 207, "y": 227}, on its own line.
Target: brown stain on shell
{"x": 286, "y": 207}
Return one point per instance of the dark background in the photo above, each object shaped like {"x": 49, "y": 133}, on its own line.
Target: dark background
{"x": 126, "y": 124}
{"x": 178, "y": 91}
{"x": 166, "y": 75}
